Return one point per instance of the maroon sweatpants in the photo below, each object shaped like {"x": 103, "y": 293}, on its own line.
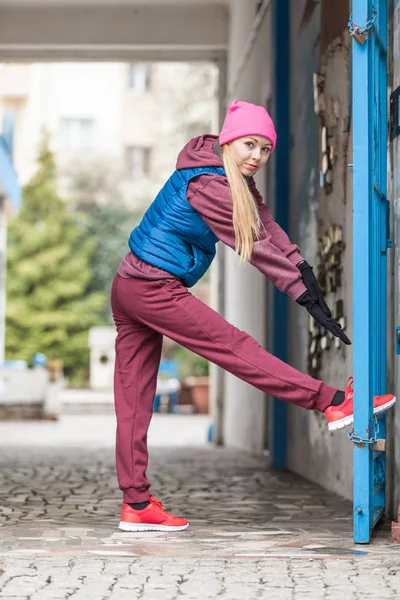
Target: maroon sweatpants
{"x": 143, "y": 311}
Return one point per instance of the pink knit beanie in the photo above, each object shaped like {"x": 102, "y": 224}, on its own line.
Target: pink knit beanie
{"x": 244, "y": 119}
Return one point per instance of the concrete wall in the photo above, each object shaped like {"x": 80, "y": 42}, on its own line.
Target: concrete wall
{"x": 29, "y": 393}
{"x": 245, "y": 289}
{"x": 113, "y": 32}
{"x": 319, "y": 43}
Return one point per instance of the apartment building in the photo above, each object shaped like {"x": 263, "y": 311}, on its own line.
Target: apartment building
{"x": 128, "y": 119}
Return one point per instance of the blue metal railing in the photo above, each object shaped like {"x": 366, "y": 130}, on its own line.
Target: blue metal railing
{"x": 9, "y": 183}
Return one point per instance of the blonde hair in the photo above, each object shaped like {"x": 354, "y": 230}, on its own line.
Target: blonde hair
{"x": 246, "y": 218}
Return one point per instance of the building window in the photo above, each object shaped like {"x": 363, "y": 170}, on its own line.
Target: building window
{"x": 139, "y": 77}
{"x": 75, "y": 134}
{"x": 138, "y": 161}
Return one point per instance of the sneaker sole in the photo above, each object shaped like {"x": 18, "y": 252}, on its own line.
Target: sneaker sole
{"x": 124, "y": 526}
{"x": 341, "y": 423}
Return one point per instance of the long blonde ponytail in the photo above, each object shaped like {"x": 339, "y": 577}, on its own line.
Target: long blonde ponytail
{"x": 246, "y": 218}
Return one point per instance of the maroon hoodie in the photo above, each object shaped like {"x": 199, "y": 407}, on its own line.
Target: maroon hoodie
{"x": 273, "y": 254}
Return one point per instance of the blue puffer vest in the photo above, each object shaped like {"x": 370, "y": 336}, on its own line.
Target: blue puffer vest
{"x": 172, "y": 235}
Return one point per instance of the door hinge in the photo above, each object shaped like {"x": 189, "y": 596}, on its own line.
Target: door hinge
{"x": 397, "y": 340}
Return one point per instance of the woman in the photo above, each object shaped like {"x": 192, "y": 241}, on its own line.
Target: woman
{"x": 210, "y": 197}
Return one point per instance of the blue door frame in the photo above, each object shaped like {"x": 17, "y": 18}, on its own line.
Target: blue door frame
{"x": 370, "y": 242}
{"x": 279, "y": 310}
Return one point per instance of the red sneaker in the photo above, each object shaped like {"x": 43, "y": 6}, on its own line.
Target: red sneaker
{"x": 152, "y": 518}
{"x": 342, "y": 415}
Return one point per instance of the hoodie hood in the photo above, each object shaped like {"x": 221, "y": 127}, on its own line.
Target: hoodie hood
{"x": 200, "y": 152}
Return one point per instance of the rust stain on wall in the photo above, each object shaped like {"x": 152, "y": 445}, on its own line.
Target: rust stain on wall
{"x": 334, "y": 19}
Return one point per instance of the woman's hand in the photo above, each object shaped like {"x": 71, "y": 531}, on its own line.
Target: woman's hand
{"x": 322, "y": 318}
{"x": 311, "y": 283}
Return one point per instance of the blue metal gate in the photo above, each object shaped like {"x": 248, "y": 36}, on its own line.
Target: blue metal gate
{"x": 370, "y": 242}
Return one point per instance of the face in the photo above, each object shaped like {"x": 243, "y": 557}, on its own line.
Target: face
{"x": 250, "y": 153}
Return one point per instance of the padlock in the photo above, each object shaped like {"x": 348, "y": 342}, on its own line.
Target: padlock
{"x": 358, "y": 35}
{"x": 379, "y": 446}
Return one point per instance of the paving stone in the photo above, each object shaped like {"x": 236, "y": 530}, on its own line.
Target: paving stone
{"x": 253, "y": 533}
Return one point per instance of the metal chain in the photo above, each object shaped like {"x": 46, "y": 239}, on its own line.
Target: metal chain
{"x": 356, "y": 439}
{"x": 369, "y": 24}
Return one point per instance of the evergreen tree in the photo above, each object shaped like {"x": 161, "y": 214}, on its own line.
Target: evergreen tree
{"x": 49, "y": 305}
{"x": 97, "y": 201}
{"x": 109, "y": 227}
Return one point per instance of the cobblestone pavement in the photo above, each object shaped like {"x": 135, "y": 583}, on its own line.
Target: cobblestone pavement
{"x": 253, "y": 533}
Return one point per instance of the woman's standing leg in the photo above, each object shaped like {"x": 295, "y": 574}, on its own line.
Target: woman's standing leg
{"x": 138, "y": 352}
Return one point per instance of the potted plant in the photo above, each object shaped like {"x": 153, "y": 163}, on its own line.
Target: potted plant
{"x": 199, "y": 384}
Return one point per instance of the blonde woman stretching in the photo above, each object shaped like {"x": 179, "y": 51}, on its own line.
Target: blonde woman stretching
{"x": 210, "y": 197}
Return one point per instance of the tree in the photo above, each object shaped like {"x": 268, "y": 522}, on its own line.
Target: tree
{"x": 109, "y": 227}
{"x": 49, "y": 305}
{"x": 99, "y": 208}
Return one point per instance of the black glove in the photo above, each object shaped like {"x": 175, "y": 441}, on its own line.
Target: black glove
{"x": 316, "y": 312}
{"x": 311, "y": 283}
